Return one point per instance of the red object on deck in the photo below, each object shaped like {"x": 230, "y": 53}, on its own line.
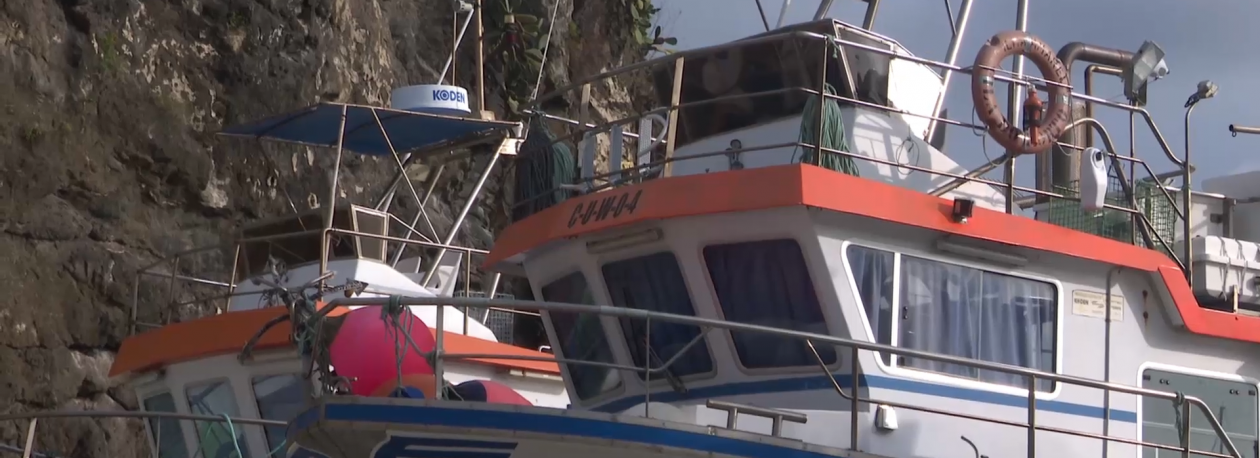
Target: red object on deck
{"x": 364, "y": 351}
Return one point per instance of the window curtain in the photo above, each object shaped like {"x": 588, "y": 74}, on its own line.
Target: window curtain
{"x": 655, "y": 283}
{"x": 767, "y": 283}
{"x": 873, "y": 280}
{"x": 973, "y": 314}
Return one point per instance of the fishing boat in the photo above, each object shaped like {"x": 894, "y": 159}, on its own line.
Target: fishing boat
{"x": 780, "y": 261}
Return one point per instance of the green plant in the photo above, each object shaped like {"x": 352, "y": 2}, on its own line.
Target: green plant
{"x": 238, "y": 19}
{"x": 108, "y": 47}
{"x": 518, "y": 42}
{"x": 32, "y": 135}
{"x": 643, "y": 14}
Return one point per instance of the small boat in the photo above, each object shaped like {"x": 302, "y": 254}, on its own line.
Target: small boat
{"x": 780, "y": 261}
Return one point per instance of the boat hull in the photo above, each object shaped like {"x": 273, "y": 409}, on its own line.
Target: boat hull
{"x": 405, "y": 428}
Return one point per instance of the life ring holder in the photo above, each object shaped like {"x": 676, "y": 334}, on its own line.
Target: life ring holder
{"x": 983, "y": 96}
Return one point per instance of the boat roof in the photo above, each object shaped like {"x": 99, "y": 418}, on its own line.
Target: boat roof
{"x": 810, "y": 186}
{"x": 227, "y": 333}
{"x": 318, "y": 125}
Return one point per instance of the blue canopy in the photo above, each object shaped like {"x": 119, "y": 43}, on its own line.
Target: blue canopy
{"x": 317, "y": 125}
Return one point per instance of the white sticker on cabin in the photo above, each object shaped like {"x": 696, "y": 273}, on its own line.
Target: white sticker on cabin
{"x": 1090, "y": 304}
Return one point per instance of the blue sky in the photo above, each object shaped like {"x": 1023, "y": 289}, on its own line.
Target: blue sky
{"x": 1203, "y": 39}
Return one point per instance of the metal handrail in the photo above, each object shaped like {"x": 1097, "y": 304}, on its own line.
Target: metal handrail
{"x": 28, "y": 450}
{"x": 467, "y": 253}
{"x": 1032, "y": 375}
{"x": 776, "y": 416}
{"x": 1140, "y": 221}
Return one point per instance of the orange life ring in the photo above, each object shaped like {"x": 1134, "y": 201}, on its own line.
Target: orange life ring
{"x": 1058, "y": 114}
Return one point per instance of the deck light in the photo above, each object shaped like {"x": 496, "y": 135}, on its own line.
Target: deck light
{"x": 962, "y": 210}
{"x": 1146, "y": 66}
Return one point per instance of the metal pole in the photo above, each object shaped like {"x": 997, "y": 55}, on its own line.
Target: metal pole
{"x": 439, "y": 337}
{"x": 1187, "y": 216}
{"x": 951, "y": 57}
{"x": 458, "y": 39}
{"x": 822, "y": 105}
{"x": 401, "y": 167}
{"x": 1032, "y": 416}
{"x": 1012, "y": 105}
{"x": 30, "y": 438}
{"x": 823, "y": 7}
{"x": 872, "y": 8}
{"x": 783, "y": 13}
{"x": 428, "y": 192}
{"x": 981, "y": 170}
{"x": 1184, "y": 430}
{"x": 481, "y": 60}
{"x": 1235, "y": 129}
{"x": 854, "y": 381}
{"x": 762, "y": 12}
{"x": 332, "y": 195}
{"x": 459, "y": 220}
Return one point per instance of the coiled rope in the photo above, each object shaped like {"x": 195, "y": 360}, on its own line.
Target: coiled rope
{"x": 541, "y": 169}
{"x": 833, "y": 135}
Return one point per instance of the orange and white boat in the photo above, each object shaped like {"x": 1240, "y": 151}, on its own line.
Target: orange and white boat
{"x": 782, "y": 264}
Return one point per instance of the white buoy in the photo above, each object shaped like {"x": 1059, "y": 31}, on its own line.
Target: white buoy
{"x": 431, "y": 98}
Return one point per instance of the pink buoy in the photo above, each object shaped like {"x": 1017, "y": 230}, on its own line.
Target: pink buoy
{"x": 364, "y": 352}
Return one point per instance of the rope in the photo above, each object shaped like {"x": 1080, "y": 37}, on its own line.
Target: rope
{"x": 833, "y": 135}
{"x": 236, "y": 443}
{"x": 542, "y": 168}
{"x": 390, "y": 314}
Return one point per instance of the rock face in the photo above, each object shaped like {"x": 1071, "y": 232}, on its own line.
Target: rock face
{"x": 108, "y": 160}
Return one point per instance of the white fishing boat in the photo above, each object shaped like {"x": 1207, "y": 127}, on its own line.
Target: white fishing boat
{"x": 778, "y": 262}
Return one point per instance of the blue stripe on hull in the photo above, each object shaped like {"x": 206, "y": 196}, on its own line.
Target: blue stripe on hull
{"x": 822, "y": 382}
{"x": 554, "y": 424}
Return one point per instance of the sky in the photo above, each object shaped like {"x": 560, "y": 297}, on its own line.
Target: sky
{"x": 1204, "y": 39}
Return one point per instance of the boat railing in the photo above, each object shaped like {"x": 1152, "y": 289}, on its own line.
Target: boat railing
{"x": 1143, "y": 232}
{"x": 168, "y": 269}
{"x": 33, "y": 421}
{"x": 1032, "y": 425}
{"x": 776, "y": 416}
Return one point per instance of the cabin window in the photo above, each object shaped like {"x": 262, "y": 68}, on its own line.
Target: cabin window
{"x": 167, "y": 435}
{"x": 958, "y": 311}
{"x": 279, "y": 397}
{"x": 869, "y": 69}
{"x": 716, "y": 88}
{"x": 767, "y": 283}
{"x": 873, "y": 278}
{"x": 582, "y": 338}
{"x": 216, "y": 399}
{"x": 655, "y": 283}
{"x": 1233, "y": 403}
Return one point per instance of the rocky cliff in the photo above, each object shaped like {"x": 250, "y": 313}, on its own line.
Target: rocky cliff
{"x": 108, "y": 159}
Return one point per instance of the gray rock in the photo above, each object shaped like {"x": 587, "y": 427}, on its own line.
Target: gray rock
{"x": 108, "y": 161}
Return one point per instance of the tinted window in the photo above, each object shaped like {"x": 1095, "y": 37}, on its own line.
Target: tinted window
{"x": 868, "y": 69}
{"x": 280, "y": 397}
{"x": 739, "y": 71}
{"x": 166, "y": 432}
{"x": 767, "y": 283}
{"x": 215, "y": 438}
{"x": 1233, "y": 403}
{"x": 582, "y": 338}
{"x": 655, "y": 283}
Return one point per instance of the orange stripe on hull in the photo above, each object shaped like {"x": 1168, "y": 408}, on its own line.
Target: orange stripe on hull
{"x": 227, "y": 334}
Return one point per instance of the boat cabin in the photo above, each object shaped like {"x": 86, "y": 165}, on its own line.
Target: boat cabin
{"x": 197, "y": 368}
{"x": 738, "y": 229}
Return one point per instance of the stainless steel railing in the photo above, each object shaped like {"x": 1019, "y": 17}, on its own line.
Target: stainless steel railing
{"x": 1031, "y": 426}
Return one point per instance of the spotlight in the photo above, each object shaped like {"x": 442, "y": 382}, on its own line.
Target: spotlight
{"x": 963, "y": 209}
